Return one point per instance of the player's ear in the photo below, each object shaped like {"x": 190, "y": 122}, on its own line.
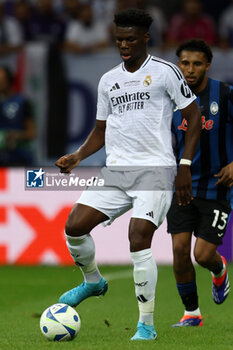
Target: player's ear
{"x": 147, "y": 37}
{"x": 207, "y": 66}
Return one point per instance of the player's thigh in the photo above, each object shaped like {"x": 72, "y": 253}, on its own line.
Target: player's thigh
{"x": 83, "y": 219}
{"x": 181, "y": 218}
{"x": 213, "y": 218}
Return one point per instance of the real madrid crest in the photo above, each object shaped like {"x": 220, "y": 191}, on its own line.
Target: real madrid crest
{"x": 147, "y": 80}
{"x": 214, "y": 108}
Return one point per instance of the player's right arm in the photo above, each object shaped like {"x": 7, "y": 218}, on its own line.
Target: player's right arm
{"x": 96, "y": 138}
{"x": 184, "y": 99}
{"x": 183, "y": 181}
{"x": 93, "y": 143}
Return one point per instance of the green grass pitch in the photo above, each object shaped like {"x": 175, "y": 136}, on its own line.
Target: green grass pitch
{"x": 108, "y": 322}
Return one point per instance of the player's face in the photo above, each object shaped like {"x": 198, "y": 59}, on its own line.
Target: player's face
{"x": 132, "y": 43}
{"x": 194, "y": 66}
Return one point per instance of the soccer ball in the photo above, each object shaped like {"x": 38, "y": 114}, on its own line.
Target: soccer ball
{"x": 60, "y": 322}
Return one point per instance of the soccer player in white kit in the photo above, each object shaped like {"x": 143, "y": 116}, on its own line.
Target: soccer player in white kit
{"x": 134, "y": 114}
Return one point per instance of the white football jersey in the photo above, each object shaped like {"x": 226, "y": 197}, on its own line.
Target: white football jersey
{"x": 138, "y": 109}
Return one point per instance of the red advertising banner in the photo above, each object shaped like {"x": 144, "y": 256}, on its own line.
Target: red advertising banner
{"x": 32, "y": 226}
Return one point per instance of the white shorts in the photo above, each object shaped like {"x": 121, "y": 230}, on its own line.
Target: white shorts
{"x": 114, "y": 200}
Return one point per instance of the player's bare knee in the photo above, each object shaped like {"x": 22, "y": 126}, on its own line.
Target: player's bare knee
{"x": 139, "y": 241}
{"x": 181, "y": 252}
{"x": 73, "y": 231}
{"x": 136, "y": 246}
{"x": 202, "y": 258}
{"x": 74, "y": 227}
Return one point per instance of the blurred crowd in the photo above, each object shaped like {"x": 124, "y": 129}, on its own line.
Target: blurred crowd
{"x": 81, "y": 26}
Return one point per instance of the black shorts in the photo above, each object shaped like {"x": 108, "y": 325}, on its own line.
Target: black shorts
{"x": 206, "y": 218}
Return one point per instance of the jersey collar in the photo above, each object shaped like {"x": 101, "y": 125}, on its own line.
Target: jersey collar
{"x": 141, "y": 67}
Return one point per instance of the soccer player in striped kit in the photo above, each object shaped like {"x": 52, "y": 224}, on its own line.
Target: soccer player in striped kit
{"x": 212, "y": 176}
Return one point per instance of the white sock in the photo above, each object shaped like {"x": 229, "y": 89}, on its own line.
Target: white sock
{"x": 196, "y": 312}
{"x": 145, "y": 279}
{"x": 146, "y": 312}
{"x": 82, "y": 250}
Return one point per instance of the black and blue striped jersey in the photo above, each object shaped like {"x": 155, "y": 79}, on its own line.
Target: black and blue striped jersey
{"x": 215, "y": 148}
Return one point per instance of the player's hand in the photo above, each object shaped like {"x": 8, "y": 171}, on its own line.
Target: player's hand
{"x": 225, "y": 176}
{"x": 183, "y": 185}
{"x": 68, "y": 162}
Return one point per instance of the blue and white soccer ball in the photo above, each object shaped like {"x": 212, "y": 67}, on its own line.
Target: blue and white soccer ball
{"x": 60, "y": 322}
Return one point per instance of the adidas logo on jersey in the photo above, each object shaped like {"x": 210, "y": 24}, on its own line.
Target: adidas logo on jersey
{"x": 151, "y": 214}
{"x": 115, "y": 87}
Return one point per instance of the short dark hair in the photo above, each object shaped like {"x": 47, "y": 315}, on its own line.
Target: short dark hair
{"x": 133, "y": 17}
{"x": 196, "y": 45}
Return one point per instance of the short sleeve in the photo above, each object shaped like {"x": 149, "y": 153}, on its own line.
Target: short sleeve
{"x": 103, "y": 103}
{"x": 177, "y": 88}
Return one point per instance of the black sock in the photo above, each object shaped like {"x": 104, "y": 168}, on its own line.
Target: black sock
{"x": 219, "y": 269}
{"x": 188, "y": 294}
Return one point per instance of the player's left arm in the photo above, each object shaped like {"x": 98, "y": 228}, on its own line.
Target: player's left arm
{"x": 193, "y": 116}
{"x": 184, "y": 98}
{"x": 225, "y": 175}
{"x": 183, "y": 181}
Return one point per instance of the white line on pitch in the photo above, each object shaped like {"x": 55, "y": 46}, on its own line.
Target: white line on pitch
{"x": 119, "y": 275}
